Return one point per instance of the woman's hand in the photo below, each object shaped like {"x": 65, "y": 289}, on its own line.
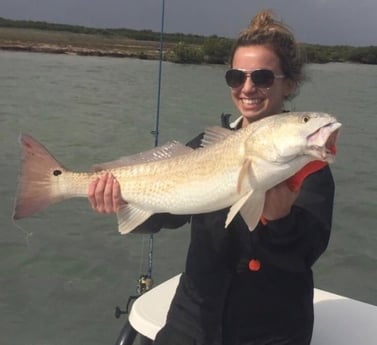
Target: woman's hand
{"x": 104, "y": 194}
{"x": 279, "y": 201}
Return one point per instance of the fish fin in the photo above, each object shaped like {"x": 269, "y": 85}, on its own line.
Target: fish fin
{"x": 250, "y": 207}
{"x": 39, "y": 169}
{"x": 129, "y": 217}
{"x": 215, "y": 134}
{"x": 244, "y": 173}
{"x": 236, "y": 207}
{"x": 252, "y": 210}
{"x": 168, "y": 150}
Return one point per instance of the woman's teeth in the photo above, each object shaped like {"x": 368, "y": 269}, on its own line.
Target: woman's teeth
{"x": 250, "y": 101}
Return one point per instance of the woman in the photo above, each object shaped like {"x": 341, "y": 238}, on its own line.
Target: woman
{"x": 242, "y": 287}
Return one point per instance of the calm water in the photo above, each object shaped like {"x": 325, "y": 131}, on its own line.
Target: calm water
{"x": 63, "y": 271}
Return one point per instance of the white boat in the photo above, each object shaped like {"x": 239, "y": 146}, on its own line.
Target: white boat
{"x": 338, "y": 320}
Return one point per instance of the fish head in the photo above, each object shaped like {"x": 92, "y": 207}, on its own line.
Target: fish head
{"x": 285, "y": 137}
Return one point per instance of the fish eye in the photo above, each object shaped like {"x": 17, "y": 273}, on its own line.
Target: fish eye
{"x": 306, "y": 118}
{"x": 57, "y": 172}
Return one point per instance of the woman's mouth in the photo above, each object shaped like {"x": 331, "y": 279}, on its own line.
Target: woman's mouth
{"x": 251, "y": 101}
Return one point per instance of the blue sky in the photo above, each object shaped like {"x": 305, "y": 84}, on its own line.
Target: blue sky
{"x": 313, "y": 21}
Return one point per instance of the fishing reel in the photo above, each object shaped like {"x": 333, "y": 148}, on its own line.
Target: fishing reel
{"x": 144, "y": 284}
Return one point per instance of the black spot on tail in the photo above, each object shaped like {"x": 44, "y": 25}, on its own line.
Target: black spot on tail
{"x": 57, "y": 172}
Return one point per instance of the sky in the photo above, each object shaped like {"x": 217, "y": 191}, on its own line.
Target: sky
{"x": 329, "y": 22}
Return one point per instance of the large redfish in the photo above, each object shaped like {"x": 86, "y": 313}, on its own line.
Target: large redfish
{"x": 233, "y": 168}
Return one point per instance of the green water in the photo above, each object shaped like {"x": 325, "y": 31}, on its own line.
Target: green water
{"x": 63, "y": 271}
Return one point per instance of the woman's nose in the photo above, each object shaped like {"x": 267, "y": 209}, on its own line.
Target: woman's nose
{"x": 248, "y": 85}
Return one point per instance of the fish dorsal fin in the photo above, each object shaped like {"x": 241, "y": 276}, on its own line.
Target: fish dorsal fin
{"x": 129, "y": 217}
{"x": 215, "y": 134}
{"x": 168, "y": 150}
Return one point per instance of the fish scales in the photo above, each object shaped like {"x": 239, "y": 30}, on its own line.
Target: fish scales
{"x": 177, "y": 184}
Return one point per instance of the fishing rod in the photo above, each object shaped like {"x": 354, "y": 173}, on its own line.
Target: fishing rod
{"x": 155, "y": 133}
{"x": 145, "y": 281}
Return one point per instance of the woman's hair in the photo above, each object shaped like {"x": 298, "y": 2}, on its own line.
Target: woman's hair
{"x": 264, "y": 29}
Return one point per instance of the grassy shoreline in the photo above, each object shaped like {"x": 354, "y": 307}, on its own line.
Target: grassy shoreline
{"x": 60, "y": 42}
{"x": 144, "y": 44}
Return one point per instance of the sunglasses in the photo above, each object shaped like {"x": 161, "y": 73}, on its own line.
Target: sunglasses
{"x": 261, "y": 78}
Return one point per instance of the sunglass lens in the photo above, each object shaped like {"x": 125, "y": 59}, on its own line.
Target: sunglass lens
{"x": 235, "y": 78}
{"x": 262, "y": 78}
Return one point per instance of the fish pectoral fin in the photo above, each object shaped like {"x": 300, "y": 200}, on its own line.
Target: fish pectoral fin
{"x": 129, "y": 217}
{"x": 170, "y": 149}
{"x": 236, "y": 207}
{"x": 252, "y": 210}
{"x": 244, "y": 173}
{"x": 250, "y": 207}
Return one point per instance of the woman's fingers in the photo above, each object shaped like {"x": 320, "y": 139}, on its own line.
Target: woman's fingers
{"x": 104, "y": 194}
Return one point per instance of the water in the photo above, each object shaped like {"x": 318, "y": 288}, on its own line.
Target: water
{"x": 63, "y": 271}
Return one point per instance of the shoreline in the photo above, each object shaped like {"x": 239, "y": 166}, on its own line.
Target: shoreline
{"x": 118, "y": 46}
{"x": 83, "y": 44}
{"x": 79, "y": 51}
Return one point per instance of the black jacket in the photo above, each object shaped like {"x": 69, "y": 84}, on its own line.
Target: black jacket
{"x": 219, "y": 300}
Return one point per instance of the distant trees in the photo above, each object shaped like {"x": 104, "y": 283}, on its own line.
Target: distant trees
{"x": 196, "y": 49}
{"x": 366, "y": 55}
{"x": 323, "y": 54}
{"x": 185, "y": 53}
{"x": 212, "y": 50}
{"x": 216, "y": 49}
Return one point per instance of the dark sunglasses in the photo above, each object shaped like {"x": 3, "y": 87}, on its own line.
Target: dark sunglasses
{"x": 261, "y": 78}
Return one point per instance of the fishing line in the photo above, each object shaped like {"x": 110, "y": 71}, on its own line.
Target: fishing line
{"x": 25, "y": 232}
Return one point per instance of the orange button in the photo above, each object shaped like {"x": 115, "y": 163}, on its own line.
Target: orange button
{"x": 254, "y": 265}
{"x": 263, "y": 220}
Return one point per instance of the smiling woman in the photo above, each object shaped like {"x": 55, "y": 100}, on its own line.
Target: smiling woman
{"x": 83, "y": 269}
{"x": 291, "y": 230}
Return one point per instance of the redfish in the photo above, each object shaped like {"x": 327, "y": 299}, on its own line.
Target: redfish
{"x": 231, "y": 169}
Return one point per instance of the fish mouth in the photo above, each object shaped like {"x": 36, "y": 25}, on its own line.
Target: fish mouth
{"x": 322, "y": 143}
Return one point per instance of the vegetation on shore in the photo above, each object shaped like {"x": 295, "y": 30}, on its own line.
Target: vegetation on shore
{"x": 144, "y": 44}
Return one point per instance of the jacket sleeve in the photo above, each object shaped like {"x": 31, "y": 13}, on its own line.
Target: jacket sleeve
{"x": 296, "y": 241}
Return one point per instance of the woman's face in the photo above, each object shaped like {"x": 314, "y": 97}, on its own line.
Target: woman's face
{"x": 253, "y": 102}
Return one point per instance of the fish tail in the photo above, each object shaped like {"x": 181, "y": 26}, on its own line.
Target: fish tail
{"x": 38, "y": 184}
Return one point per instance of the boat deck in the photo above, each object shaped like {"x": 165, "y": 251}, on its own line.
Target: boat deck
{"x": 338, "y": 319}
